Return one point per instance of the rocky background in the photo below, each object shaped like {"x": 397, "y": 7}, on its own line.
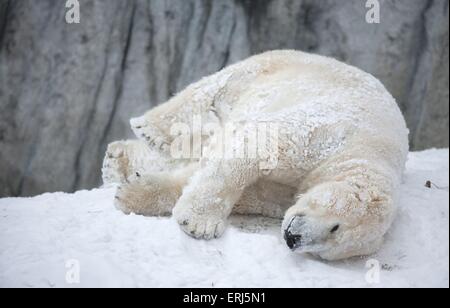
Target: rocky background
{"x": 67, "y": 90}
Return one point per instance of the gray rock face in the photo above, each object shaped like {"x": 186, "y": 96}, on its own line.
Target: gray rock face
{"x": 67, "y": 90}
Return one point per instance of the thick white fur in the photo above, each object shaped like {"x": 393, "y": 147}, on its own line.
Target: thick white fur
{"x": 342, "y": 149}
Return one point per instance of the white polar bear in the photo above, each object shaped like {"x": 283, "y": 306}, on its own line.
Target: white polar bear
{"x": 341, "y": 149}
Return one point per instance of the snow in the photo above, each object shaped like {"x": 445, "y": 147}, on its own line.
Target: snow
{"x": 41, "y": 239}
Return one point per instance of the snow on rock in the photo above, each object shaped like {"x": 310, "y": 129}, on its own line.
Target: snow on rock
{"x": 40, "y": 238}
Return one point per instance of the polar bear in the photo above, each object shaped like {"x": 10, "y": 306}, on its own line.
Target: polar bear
{"x": 341, "y": 149}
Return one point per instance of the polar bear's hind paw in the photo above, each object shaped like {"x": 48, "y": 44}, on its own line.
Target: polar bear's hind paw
{"x": 147, "y": 196}
{"x": 115, "y": 164}
{"x": 150, "y": 134}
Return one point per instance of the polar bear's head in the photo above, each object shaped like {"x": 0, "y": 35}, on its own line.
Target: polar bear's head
{"x": 333, "y": 222}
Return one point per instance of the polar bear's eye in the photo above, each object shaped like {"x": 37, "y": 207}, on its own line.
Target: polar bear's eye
{"x": 334, "y": 229}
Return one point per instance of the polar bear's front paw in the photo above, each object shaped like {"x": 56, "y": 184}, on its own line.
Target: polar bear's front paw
{"x": 121, "y": 200}
{"x": 133, "y": 197}
{"x": 200, "y": 226}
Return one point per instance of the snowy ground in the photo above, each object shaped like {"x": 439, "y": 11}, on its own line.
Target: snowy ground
{"x": 41, "y": 236}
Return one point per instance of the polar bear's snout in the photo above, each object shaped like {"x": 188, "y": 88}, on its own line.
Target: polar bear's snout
{"x": 305, "y": 235}
{"x": 292, "y": 237}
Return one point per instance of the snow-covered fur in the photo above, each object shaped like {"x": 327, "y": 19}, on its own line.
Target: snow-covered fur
{"x": 341, "y": 149}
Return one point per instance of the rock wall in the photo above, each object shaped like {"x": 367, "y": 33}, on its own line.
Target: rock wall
{"x": 67, "y": 90}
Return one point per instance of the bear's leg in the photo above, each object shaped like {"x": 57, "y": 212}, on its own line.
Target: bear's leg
{"x": 211, "y": 194}
{"x": 341, "y": 216}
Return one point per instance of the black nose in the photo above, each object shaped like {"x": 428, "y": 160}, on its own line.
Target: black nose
{"x": 293, "y": 233}
{"x": 292, "y": 240}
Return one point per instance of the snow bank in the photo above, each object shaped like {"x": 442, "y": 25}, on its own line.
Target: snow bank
{"x": 40, "y": 238}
